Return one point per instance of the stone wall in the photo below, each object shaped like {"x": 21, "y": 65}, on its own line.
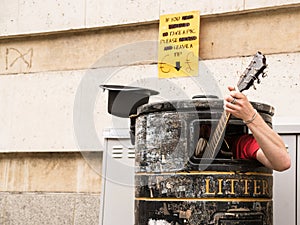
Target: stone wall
{"x": 49, "y": 188}
{"x": 48, "y": 49}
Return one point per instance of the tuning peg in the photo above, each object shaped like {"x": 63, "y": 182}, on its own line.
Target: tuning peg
{"x": 258, "y": 80}
{"x": 241, "y": 75}
{"x": 264, "y": 74}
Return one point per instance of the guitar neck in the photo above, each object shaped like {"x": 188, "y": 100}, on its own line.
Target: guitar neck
{"x": 255, "y": 68}
{"x": 216, "y": 139}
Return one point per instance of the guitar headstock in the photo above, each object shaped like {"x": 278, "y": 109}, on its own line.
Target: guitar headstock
{"x": 255, "y": 68}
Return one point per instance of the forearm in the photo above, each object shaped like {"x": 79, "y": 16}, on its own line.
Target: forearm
{"x": 274, "y": 151}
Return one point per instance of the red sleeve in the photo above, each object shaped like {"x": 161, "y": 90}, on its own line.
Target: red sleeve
{"x": 246, "y": 147}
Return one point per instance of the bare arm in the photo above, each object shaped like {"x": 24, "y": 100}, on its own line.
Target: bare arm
{"x": 272, "y": 152}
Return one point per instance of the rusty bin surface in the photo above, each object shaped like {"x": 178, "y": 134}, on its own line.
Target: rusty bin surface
{"x": 226, "y": 192}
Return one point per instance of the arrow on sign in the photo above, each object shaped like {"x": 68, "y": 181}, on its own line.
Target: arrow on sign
{"x": 177, "y": 67}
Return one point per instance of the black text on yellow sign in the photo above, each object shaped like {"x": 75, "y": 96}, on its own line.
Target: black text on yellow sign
{"x": 178, "y": 45}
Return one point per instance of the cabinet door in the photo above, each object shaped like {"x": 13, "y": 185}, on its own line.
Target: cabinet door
{"x": 298, "y": 183}
{"x": 284, "y": 188}
{"x": 118, "y": 183}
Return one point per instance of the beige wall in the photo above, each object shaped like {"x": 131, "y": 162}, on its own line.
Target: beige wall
{"x": 272, "y": 32}
{"x": 41, "y": 75}
{"x": 47, "y": 49}
{"x": 47, "y": 172}
{"x": 31, "y": 16}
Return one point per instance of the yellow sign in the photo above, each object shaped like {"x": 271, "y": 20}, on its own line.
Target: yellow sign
{"x": 178, "y": 45}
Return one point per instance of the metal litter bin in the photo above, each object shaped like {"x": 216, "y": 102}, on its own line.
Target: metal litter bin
{"x": 226, "y": 192}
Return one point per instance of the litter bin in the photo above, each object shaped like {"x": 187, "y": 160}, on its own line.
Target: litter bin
{"x": 226, "y": 192}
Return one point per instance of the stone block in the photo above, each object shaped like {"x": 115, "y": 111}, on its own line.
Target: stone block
{"x": 49, "y": 172}
{"x": 49, "y": 209}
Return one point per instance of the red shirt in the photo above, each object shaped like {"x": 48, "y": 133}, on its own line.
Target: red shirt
{"x": 246, "y": 147}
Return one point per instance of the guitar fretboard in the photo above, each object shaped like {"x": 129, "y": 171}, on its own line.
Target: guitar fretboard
{"x": 216, "y": 140}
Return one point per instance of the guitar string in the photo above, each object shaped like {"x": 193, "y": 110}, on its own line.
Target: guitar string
{"x": 215, "y": 140}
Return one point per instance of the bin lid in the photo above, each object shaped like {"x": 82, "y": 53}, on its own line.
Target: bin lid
{"x": 204, "y": 104}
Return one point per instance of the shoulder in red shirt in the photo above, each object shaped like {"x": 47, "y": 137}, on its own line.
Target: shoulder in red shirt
{"x": 245, "y": 147}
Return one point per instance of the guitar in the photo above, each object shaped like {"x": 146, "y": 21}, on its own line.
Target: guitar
{"x": 212, "y": 147}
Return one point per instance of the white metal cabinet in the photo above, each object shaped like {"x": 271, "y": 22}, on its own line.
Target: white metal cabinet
{"x": 284, "y": 188}
{"x": 117, "y": 205}
{"x": 298, "y": 182}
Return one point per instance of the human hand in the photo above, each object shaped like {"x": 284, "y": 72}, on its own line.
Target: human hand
{"x": 238, "y": 105}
